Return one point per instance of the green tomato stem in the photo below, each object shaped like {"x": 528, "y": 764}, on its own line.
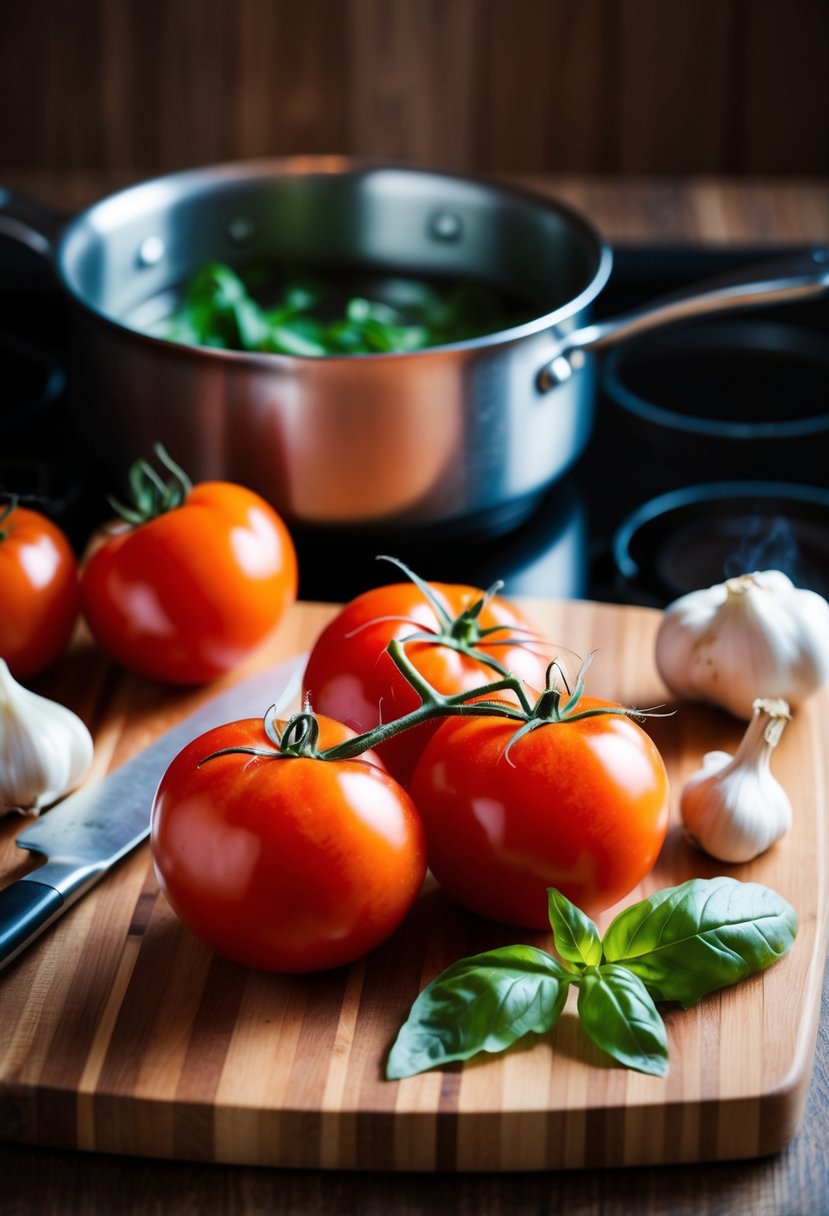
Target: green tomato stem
{"x": 151, "y": 494}
{"x": 6, "y": 514}
{"x": 462, "y": 633}
{"x": 432, "y": 705}
{"x": 300, "y": 736}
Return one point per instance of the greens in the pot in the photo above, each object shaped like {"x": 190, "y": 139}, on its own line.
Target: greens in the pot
{"x": 253, "y": 311}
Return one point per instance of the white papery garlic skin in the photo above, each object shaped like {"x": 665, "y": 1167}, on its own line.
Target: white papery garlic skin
{"x": 45, "y": 749}
{"x": 751, "y": 636}
{"x": 734, "y": 807}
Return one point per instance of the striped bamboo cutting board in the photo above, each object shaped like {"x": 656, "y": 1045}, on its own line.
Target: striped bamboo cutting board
{"x": 120, "y": 1033}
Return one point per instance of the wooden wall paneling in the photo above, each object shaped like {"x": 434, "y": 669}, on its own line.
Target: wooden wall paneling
{"x": 412, "y": 69}
{"x": 547, "y": 67}
{"x": 669, "y": 72}
{"x": 606, "y": 85}
{"x": 187, "y": 70}
{"x": 779, "y": 89}
{"x": 540, "y": 86}
{"x": 290, "y": 83}
{"x": 121, "y": 78}
{"x": 22, "y": 109}
{"x": 47, "y": 87}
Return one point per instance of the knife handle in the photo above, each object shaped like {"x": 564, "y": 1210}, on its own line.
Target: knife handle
{"x": 26, "y": 908}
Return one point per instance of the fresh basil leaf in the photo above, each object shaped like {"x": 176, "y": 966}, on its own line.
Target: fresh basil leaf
{"x": 358, "y": 310}
{"x": 299, "y": 297}
{"x": 250, "y": 324}
{"x": 378, "y": 337}
{"x": 576, "y": 938}
{"x": 618, "y": 1014}
{"x": 414, "y": 337}
{"x": 291, "y": 339}
{"x": 343, "y": 338}
{"x": 482, "y": 1003}
{"x": 687, "y": 941}
{"x": 217, "y": 284}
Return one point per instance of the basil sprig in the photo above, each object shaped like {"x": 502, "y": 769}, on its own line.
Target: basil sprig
{"x": 218, "y": 309}
{"x": 678, "y": 945}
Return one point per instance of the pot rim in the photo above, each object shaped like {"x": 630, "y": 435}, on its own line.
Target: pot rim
{"x": 252, "y": 170}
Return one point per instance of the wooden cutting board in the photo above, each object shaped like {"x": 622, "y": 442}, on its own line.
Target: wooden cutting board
{"x": 121, "y": 1033}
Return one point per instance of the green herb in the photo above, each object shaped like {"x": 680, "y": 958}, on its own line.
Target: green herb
{"x": 678, "y": 945}
{"x": 687, "y": 941}
{"x": 218, "y": 309}
{"x": 483, "y": 1003}
{"x": 618, "y": 1014}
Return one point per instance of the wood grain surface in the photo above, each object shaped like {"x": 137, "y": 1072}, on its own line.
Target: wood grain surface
{"x": 122, "y": 1034}
{"x": 538, "y": 86}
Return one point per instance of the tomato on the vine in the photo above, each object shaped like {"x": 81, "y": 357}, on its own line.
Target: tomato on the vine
{"x": 192, "y": 581}
{"x": 579, "y": 804}
{"x": 39, "y": 596}
{"x": 460, "y": 637}
{"x": 282, "y": 861}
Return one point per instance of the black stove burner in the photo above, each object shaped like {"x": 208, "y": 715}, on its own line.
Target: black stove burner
{"x": 700, "y": 535}
{"x": 730, "y": 399}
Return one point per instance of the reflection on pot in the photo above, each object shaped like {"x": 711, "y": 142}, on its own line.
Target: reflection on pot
{"x": 699, "y": 535}
{"x": 543, "y": 554}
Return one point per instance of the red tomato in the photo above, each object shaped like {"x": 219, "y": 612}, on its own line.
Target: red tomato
{"x": 350, "y": 677}
{"x": 581, "y": 805}
{"x": 285, "y": 864}
{"x": 39, "y": 597}
{"x": 185, "y": 596}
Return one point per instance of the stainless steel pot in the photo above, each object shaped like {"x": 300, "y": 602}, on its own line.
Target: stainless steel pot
{"x": 447, "y": 434}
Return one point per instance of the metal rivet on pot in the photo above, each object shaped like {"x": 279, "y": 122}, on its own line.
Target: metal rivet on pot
{"x": 150, "y": 251}
{"x": 446, "y": 226}
{"x": 240, "y": 229}
{"x": 560, "y": 369}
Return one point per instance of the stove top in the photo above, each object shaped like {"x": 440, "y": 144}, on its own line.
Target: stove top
{"x": 720, "y": 427}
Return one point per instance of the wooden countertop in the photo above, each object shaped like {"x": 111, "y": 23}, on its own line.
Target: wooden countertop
{"x": 701, "y": 209}
{"x": 794, "y": 1181}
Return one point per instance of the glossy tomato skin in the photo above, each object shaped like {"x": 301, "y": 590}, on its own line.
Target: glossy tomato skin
{"x": 350, "y": 677}
{"x": 285, "y": 865}
{"x": 581, "y": 806}
{"x": 188, "y": 595}
{"x": 39, "y": 593}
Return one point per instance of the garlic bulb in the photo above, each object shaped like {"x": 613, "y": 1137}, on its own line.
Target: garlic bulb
{"x": 753, "y": 636}
{"x": 45, "y": 749}
{"x": 734, "y": 808}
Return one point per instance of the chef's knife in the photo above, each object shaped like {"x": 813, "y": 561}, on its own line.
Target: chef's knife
{"x": 86, "y": 834}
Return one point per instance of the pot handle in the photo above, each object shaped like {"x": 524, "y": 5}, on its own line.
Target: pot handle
{"x": 795, "y": 277}
{"x": 29, "y": 223}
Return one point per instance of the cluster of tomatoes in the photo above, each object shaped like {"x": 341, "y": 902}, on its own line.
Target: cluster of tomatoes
{"x": 180, "y": 589}
{"x": 301, "y": 845}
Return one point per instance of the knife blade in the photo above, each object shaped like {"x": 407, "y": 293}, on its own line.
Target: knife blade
{"x": 89, "y": 831}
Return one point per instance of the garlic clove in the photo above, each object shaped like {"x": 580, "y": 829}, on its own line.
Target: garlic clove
{"x": 733, "y": 807}
{"x": 755, "y": 634}
{"x": 45, "y": 749}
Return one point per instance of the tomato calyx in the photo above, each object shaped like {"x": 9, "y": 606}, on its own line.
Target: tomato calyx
{"x": 552, "y": 709}
{"x": 299, "y": 737}
{"x": 6, "y": 514}
{"x": 463, "y": 632}
{"x": 151, "y": 494}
